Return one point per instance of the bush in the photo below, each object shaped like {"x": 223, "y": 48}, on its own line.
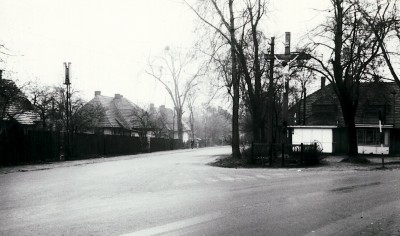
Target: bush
{"x": 312, "y": 155}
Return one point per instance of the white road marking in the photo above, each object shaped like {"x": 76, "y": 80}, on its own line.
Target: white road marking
{"x": 175, "y": 225}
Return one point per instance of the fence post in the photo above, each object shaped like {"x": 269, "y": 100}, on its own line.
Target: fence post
{"x": 283, "y": 154}
{"x": 301, "y": 154}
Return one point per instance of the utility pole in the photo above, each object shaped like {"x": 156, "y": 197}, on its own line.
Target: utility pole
{"x": 67, "y": 83}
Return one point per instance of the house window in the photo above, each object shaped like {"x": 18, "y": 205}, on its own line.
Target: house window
{"x": 372, "y": 137}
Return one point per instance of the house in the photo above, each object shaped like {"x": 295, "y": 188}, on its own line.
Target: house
{"x": 118, "y": 117}
{"x": 15, "y": 108}
{"x": 319, "y": 118}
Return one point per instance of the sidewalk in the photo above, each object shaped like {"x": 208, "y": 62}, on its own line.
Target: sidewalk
{"x": 60, "y": 164}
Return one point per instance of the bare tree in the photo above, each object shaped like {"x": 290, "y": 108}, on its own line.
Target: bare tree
{"x": 162, "y": 122}
{"x": 146, "y": 120}
{"x": 351, "y": 48}
{"x": 302, "y": 78}
{"x": 382, "y": 17}
{"x": 191, "y": 106}
{"x": 12, "y": 99}
{"x": 177, "y": 78}
{"x": 85, "y": 116}
{"x": 43, "y": 100}
{"x": 213, "y": 125}
{"x": 226, "y": 28}
{"x": 50, "y": 103}
{"x": 4, "y": 52}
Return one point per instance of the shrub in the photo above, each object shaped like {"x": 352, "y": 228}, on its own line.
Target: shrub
{"x": 312, "y": 155}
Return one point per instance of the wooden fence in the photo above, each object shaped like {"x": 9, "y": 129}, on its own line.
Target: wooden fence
{"x": 19, "y": 146}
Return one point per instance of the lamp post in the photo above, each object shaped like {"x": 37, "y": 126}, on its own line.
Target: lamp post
{"x": 67, "y": 106}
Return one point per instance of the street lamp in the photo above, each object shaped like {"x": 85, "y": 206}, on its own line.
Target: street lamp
{"x": 67, "y": 82}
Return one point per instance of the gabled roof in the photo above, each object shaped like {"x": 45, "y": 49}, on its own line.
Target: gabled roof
{"x": 20, "y": 108}
{"x": 373, "y": 96}
{"x": 24, "y": 117}
{"x": 118, "y": 111}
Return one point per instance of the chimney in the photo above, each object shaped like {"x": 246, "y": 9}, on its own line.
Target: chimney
{"x": 97, "y": 93}
{"x": 1, "y": 74}
{"x": 323, "y": 79}
{"x": 118, "y": 96}
{"x": 152, "y": 107}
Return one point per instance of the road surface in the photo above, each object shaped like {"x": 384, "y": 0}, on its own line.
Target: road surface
{"x": 177, "y": 193}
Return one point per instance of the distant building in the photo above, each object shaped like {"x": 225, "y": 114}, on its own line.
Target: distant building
{"x": 320, "y": 118}
{"x": 167, "y": 125}
{"x": 118, "y": 118}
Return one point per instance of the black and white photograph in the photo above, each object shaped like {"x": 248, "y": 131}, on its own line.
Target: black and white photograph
{"x": 200, "y": 117}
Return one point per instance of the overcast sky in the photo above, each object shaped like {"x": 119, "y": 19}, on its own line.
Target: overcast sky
{"x": 108, "y": 42}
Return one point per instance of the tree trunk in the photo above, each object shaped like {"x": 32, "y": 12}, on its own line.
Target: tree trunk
{"x": 349, "y": 108}
{"x": 256, "y": 119}
{"x": 352, "y": 136}
{"x": 235, "y": 85}
{"x": 191, "y": 124}
{"x": 235, "y": 121}
{"x": 348, "y": 102}
{"x": 349, "y": 118}
{"x": 179, "y": 124}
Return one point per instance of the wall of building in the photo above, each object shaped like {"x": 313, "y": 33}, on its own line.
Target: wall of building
{"x": 311, "y": 135}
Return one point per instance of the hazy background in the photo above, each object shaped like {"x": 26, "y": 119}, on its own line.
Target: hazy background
{"x": 109, "y": 42}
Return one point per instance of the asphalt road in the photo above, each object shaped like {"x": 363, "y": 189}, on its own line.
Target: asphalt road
{"x": 177, "y": 193}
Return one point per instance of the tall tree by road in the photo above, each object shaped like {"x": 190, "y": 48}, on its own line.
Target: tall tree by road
{"x": 237, "y": 25}
{"x": 247, "y": 43}
{"x": 351, "y": 47}
{"x": 179, "y": 78}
